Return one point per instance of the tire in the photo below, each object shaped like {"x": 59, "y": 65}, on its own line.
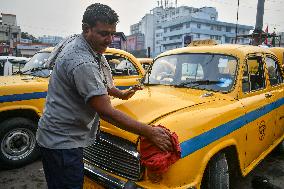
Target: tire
{"x": 18, "y": 142}
{"x": 217, "y": 173}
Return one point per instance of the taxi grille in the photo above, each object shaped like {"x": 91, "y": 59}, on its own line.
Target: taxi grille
{"x": 116, "y": 155}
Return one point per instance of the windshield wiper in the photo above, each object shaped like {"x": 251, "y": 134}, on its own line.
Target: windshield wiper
{"x": 198, "y": 82}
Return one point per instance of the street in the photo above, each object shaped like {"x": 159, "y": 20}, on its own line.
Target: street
{"x": 32, "y": 176}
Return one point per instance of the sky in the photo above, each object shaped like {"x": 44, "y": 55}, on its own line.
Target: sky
{"x": 63, "y": 17}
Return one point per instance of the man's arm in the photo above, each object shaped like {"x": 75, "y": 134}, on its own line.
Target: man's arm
{"x": 160, "y": 137}
{"x": 124, "y": 94}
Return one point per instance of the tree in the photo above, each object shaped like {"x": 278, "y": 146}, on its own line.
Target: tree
{"x": 26, "y": 35}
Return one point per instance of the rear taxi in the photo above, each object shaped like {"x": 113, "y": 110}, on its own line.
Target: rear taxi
{"x": 225, "y": 103}
{"x": 22, "y": 99}
{"x": 279, "y": 52}
{"x": 146, "y": 62}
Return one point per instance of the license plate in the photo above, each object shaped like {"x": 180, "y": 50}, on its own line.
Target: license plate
{"x": 89, "y": 184}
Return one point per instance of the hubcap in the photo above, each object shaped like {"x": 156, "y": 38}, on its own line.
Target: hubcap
{"x": 18, "y": 144}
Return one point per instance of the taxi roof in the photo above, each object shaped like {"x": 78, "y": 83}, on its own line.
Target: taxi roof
{"x": 145, "y": 60}
{"x": 229, "y": 49}
{"x": 279, "y": 51}
{"x": 48, "y": 49}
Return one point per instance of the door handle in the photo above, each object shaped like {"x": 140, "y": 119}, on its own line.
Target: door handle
{"x": 268, "y": 95}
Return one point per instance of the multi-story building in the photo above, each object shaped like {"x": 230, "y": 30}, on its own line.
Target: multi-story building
{"x": 29, "y": 49}
{"x": 52, "y": 40}
{"x": 167, "y": 28}
{"x": 281, "y": 34}
{"x": 10, "y": 34}
{"x": 135, "y": 42}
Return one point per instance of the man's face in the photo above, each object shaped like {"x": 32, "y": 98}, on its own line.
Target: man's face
{"x": 100, "y": 36}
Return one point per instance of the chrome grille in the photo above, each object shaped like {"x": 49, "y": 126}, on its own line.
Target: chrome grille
{"x": 116, "y": 155}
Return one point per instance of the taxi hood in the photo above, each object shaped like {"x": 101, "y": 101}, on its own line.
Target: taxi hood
{"x": 19, "y": 80}
{"x": 154, "y": 102}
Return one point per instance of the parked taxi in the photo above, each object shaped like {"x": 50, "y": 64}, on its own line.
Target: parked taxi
{"x": 279, "y": 52}
{"x": 22, "y": 99}
{"x": 146, "y": 62}
{"x": 225, "y": 103}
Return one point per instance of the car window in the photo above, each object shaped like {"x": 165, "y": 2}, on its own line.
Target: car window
{"x": 37, "y": 61}
{"x": 207, "y": 71}
{"x": 18, "y": 64}
{"x": 191, "y": 71}
{"x": 2, "y": 63}
{"x": 253, "y": 75}
{"x": 273, "y": 71}
{"x": 121, "y": 66}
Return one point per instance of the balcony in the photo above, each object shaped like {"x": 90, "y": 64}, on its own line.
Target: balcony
{"x": 171, "y": 41}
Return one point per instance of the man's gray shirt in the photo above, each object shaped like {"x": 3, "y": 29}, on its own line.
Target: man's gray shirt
{"x": 79, "y": 73}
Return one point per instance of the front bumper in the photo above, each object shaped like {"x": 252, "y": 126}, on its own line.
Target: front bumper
{"x": 106, "y": 180}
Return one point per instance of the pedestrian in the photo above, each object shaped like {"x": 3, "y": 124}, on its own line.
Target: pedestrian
{"x": 78, "y": 95}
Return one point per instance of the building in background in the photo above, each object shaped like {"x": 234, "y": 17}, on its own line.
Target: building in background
{"x": 118, "y": 41}
{"x": 52, "y": 40}
{"x": 135, "y": 42}
{"x": 29, "y": 49}
{"x": 281, "y": 34}
{"x": 10, "y": 34}
{"x": 167, "y": 27}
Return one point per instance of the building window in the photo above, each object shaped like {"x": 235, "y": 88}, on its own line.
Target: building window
{"x": 227, "y": 40}
{"x": 187, "y": 25}
{"x": 197, "y": 35}
{"x": 198, "y": 25}
{"x": 175, "y": 37}
{"x": 219, "y": 28}
{"x": 228, "y": 29}
{"x": 212, "y": 27}
{"x": 216, "y": 37}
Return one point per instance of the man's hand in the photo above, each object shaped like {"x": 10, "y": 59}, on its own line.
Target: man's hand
{"x": 161, "y": 138}
{"x": 126, "y": 94}
{"x": 130, "y": 92}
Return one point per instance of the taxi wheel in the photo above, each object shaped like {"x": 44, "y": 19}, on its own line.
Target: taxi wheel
{"x": 18, "y": 142}
{"x": 217, "y": 173}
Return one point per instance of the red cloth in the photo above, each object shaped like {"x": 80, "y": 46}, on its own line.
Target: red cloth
{"x": 155, "y": 159}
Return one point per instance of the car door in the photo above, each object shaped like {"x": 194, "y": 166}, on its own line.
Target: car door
{"x": 2, "y": 64}
{"x": 277, "y": 92}
{"x": 124, "y": 71}
{"x": 256, "y": 99}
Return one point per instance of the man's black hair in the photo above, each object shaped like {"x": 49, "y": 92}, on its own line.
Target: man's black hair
{"x": 99, "y": 12}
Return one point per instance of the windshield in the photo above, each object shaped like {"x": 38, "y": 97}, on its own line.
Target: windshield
{"x": 203, "y": 71}
{"x": 34, "y": 65}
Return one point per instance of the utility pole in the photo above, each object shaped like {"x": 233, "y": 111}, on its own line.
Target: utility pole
{"x": 236, "y": 30}
{"x": 259, "y": 23}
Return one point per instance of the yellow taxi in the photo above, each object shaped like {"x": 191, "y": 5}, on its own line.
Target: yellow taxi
{"x": 279, "y": 51}
{"x": 146, "y": 62}
{"x": 225, "y": 103}
{"x": 22, "y": 99}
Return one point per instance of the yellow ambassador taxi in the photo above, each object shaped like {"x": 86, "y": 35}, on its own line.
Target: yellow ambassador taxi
{"x": 22, "y": 99}
{"x": 225, "y": 103}
{"x": 279, "y": 52}
{"x": 146, "y": 62}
